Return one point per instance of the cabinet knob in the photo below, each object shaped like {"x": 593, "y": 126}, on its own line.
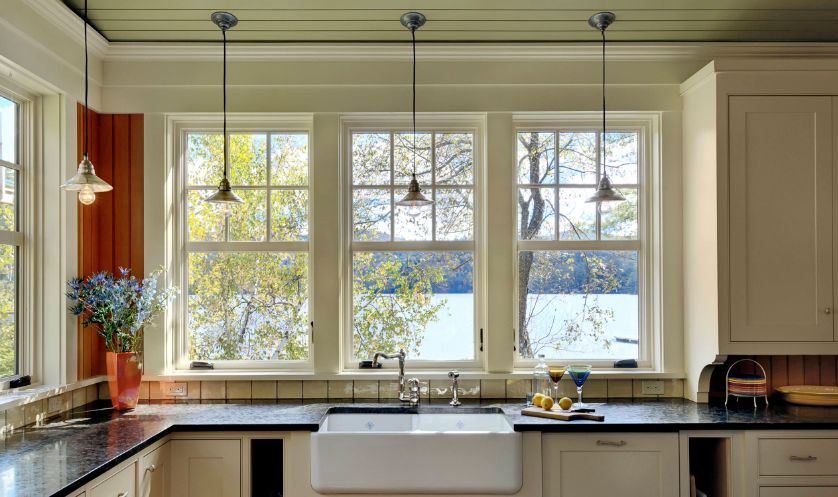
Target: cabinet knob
{"x": 827, "y": 310}
{"x": 151, "y": 468}
{"x": 612, "y": 443}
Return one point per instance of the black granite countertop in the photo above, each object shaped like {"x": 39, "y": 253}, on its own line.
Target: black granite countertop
{"x": 74, "y": 448}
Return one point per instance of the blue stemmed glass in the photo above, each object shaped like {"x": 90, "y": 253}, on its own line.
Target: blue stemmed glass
{"x": 579, "y": 374}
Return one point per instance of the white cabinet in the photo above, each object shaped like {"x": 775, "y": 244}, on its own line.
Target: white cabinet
{"x": 121, "y": 483}
{"x": 155, "y": 472}
{"x": 781, "y": 218}
{"x": 759, "y": 187}
{"x": 788, "y": 463}
{"x": 610, "y": 464}
{"x": 798, "y": 492}
{"x": 205, "y": 468}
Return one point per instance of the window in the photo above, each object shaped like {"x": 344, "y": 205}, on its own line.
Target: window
{"x": 246, "y": 276}
{"x": 413, "y": 275}
{"x": 10, "y": 235}
{"x": 580, "y": 266}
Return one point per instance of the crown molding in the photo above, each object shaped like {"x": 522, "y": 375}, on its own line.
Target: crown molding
{"x": 60, "y": 16}
{"x": 564, "y": 51}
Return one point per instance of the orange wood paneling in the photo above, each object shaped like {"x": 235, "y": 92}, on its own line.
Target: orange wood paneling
{"x": 110, "y": 230}
{"x": 781, "y": 371}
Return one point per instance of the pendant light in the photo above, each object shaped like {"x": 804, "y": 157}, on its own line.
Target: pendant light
{"x": 85, "y": 181}
{"x": 224, "y": 197}
{"x": 414, "y": 200}
{"x": 604, "y": 192}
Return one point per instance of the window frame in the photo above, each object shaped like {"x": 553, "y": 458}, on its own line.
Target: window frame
{"x": 264, "y": 123}
{"x": 647, "y": 245}
{"x": 395, "y": 123}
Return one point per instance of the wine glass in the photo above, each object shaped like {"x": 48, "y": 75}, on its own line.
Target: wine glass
{"x": 579, "y": 374}
{"x": 556, "y": 373}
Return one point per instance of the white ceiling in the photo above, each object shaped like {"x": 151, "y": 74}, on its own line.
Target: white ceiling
{"x": 466, "y": 20}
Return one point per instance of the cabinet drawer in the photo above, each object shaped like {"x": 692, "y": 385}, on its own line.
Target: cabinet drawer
{"x": 798, "y": 457}
{"x": 798, "y": 492}
{"x": 120, "y": 484}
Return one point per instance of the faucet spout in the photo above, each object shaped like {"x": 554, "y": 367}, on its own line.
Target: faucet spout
{"x": 404, "y": 396}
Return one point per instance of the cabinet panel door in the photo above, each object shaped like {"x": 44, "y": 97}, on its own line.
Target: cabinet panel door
{"x": 628, "y": 465}
{"x": 154, "y": 473}
{"x": 798, "y": 492}
{"x": 780, "y": 218}
{"x": 205, "y": 468}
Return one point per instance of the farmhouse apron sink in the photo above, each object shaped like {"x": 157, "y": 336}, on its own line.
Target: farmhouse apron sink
{"x": 398, "y": 452}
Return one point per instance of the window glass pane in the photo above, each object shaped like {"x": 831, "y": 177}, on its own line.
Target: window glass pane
{"x": 621, "y": 157}
{"x": 412, "y": 224}
{"x": 289, "y": 159}
{"x": 289, "y": 215}
{"x": 422, "y": 302}
{"x": 8, "y": 310}
{"x": 455, "y": 158}
{"x": 577, "y": 218}
{"x": 8, "y": 206}
{"x": 454, "y": 213}
{"x": 371, "y": 214}
{"x": 248, "y": 159}
{"x": 204, "y": 152}
{"x": 248, "y": 221}
{"x": 371, "y": 159}
{"x": 577, "y": 158}
{"x": 619, "y": 219}
{"x": 205, "y": 221}
{"x": 536, "y": 158}
{"x": 403, "y": 158}
{"x": 536, "y": 214}
{"x": 578, "y": 304}
{"x": 8, "y": 130}
{"x": 248, "y": 306}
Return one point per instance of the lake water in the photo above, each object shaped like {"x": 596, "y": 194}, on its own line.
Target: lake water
{"x": 450, "y": 336}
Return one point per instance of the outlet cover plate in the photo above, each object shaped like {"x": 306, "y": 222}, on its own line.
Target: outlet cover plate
{"x": 651, "y": 387}
{"x": 174, "y": 389}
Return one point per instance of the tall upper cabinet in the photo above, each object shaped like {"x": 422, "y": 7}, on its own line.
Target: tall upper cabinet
{"x": 759, "y": 184}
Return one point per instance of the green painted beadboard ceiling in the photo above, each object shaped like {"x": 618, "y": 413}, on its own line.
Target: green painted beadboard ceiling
{"x": 499, "y": 21}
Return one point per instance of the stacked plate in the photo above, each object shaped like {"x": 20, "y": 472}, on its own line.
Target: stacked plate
{"x": 747, "y": 386}
{"x": 810, "y": 395}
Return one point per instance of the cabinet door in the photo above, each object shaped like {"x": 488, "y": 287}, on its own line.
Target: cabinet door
{"x": 624, "y": 464}
{"x": 780, "y": 195}
{"x": 154, "y": 473}
{"x": 205, "y": 468}
{"x": 119, "y": 484}
{"x": 798, "y": 492}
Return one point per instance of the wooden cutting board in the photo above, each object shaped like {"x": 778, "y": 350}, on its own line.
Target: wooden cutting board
{"x": 561, "y": 415}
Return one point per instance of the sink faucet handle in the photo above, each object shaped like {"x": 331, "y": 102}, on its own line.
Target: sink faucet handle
{"x": 414, "y": 390}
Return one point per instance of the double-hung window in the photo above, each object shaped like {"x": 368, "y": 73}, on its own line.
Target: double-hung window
{"x": 246, "y": 276}
{"x": 11, "y": 239}
{"x": 582, "y": 267}
{"x": 412, "y": 273}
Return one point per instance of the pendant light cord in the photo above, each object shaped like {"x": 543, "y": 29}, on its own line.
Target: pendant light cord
{"x": 224, "y": 98}
{"x": 604, "y": 171}
{"x": 413, "y": 38}
{"x": 84, "y": 143}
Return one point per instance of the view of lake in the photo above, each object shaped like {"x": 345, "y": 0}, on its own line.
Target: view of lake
{"x": 450, "y": 336}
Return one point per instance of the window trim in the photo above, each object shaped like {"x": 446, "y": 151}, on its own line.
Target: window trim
{"x": 178, "y": 271}
{"x": 400, "y": 122}
{"x": 648, "y": 246}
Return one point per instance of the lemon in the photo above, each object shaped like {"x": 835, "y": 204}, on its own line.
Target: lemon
{"x": 565, "y": 403}
{"x": 547, "y": 403}
{"x": 537, "y": 399}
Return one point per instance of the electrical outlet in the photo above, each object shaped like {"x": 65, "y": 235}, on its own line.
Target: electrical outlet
{"x": 651, "y": 387}
{"x": 174, "y": 389}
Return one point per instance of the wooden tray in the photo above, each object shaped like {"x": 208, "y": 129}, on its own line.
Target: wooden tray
{"x": 560, "y": 414}
{"x": 810, "y": 395}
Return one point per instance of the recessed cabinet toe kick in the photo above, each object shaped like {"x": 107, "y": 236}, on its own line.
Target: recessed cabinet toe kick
{"x": 424, "y": 453}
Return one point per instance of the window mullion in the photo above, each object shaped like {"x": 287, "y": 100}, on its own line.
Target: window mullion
{"x": 268, "y": 192}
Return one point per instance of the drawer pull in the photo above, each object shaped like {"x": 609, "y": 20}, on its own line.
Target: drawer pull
{"x": 803, "y": 458}
{"x": 151, "y": 468}
{"x": 122, "y": 494}
{"x": 611, "y": 443}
